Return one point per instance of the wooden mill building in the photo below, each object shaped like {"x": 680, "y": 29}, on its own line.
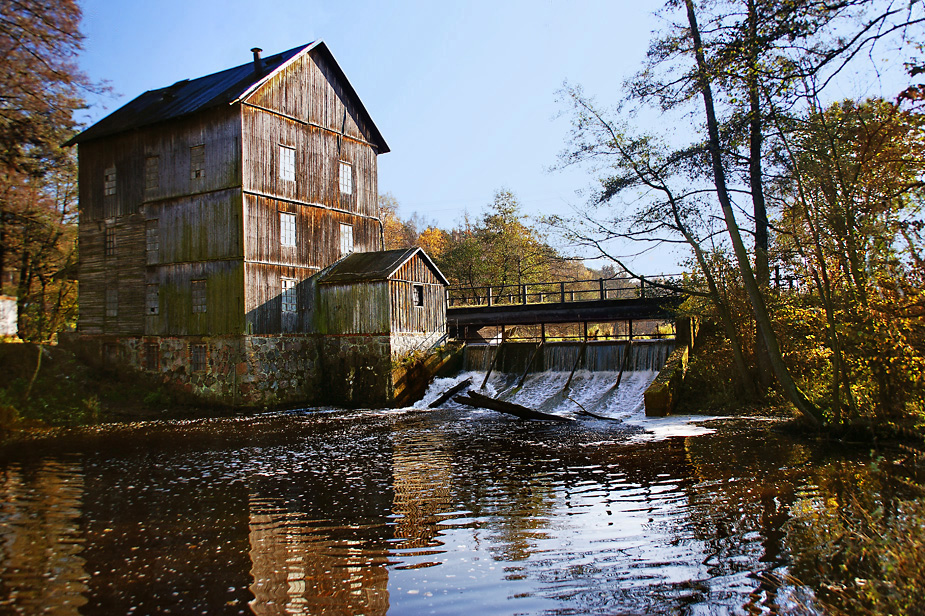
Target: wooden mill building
{"x": 208, "y": 208}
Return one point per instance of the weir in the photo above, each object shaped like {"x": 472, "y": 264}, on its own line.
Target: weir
{"x": 605, "y": 378}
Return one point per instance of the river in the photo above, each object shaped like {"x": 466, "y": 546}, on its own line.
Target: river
{"x": 412, "y": 511}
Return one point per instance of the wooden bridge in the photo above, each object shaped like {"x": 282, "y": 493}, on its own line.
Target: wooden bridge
{"x": 565, "y": 310}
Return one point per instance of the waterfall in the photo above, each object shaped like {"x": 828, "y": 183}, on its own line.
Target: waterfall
{"x": 596, "y": 366}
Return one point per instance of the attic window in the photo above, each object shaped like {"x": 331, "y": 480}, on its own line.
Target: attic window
{"x": 109, "y": 181}
{"x": 346, "y": 239}
{"x": 417, "y": 295}
{"x": 197, "y": 162}
{"x": 286, "y": 163}
{"x": 346, "y": 178}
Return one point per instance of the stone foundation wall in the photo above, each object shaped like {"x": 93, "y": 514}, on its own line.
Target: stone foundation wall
{"x": 238, "y": 370}
{"x": 356, "y": 370}
{"x": 353, "y": 371}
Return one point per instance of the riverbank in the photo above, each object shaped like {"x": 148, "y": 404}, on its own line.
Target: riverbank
{"x": 43, "y": 386}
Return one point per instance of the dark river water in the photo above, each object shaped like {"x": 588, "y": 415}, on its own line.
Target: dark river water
{"x": 449, "y": 511}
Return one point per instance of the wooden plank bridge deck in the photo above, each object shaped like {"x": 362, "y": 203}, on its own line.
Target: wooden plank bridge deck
{"x": 471, "y": 309}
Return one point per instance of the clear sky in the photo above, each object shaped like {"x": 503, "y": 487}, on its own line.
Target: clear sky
{"x": 463, "y": 92}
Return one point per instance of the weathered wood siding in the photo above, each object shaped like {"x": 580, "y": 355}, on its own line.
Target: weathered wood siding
{"x": 198, "y": 226}
{"x": 406, "y": 317}
{"x": 219, "y": 131}
{"x": 224, "y": 309}
{"x": 359, "y": 308}
{"x": 263, "y": 307}
{"x": 318, "y": 153}
{"x": 123, "y": 271}
{"x": 303, "y": 108}
{"x": 308, "y": 89}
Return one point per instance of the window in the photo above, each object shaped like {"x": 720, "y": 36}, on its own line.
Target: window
{"x": 112, "y": 302}
{"x": 346, "y": 240}
{"x": 152, "y": 239}
{"x": 417, "y": 295}
{"x": 152, "y": 299}
{"x": 286, "y": 163}
{"x": 346, "y": 178}
{"x": 286, "y": 229}
{"x": 199, "y": 295}
{"x": 199, "y": 357}
{"x": 152, "y": 356}
{"x": 152, "y": 172}
{"x": 109, "y": 241}
{"x": 109, "y": 181}
{"x": 197, "y": 162}
{"x": 288, "y": 295}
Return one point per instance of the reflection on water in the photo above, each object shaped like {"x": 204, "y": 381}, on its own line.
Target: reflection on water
{"x": 41, "y": 540}
{"x": 372, "y": 512}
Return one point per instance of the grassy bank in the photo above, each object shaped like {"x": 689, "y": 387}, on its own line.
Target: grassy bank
{"x": 47, "y": 386}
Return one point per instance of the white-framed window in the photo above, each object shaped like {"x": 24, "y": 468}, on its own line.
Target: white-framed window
{"x": 197, "y": 162}
{"x": 346, "y": 178}
{"x": 152, "y": 299}
{"x": 199, "y": 295}
{"x": 152, "y": 172}
{"x": 112, "y": 302}
{"x": 286, "y": 163}
{"x": 288, "y": 295}
{"x": 286, "y": 229}
{"x": 417, "y": 295}
{"x": 346, "y": 239}
{"x": 109, "y": 241}
{"x": 109, "y": 181}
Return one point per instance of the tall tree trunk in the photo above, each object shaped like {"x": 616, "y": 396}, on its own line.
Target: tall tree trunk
{"x": 790, "y": 389}
{"x": 756, "y": 182}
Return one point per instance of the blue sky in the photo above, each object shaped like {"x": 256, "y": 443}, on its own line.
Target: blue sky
{"x": 463, "y": 92}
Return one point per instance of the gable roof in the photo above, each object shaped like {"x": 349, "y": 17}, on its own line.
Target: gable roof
{"x": 226, "y": 87}
{"x": 373, "y": 266}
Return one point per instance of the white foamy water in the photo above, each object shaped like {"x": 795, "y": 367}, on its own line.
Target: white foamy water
{"x": 594, "y": 392}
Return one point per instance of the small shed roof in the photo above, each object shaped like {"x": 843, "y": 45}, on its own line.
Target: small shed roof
{"x": 189, "y": 96}
{"x": 372, "y": 266}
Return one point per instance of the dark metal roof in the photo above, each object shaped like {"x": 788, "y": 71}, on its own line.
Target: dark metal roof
{"x": 372, "y": 266}
{"x": 190, "y": 96}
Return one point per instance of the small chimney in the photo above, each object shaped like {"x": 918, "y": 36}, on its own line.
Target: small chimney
{"x": 258, "y": 63}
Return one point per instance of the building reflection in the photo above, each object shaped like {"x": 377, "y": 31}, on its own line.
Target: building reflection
{"x": 422, "y": 476}
{"x": 40, "y": 507}
{"x": 319, "y": 536}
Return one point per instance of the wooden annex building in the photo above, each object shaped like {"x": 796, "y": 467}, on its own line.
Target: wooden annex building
{"x": 207, "y": 211}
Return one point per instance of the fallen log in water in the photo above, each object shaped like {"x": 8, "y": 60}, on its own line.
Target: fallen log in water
{"x": 452, "y": 391}
{"x": 485, "y": 402}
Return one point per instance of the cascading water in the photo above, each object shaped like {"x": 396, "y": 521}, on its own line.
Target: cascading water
{"x": 596, "y": 366}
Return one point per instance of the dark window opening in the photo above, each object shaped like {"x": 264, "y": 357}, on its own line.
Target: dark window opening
{"x": 418, "y": 295}
{"x": 199, "y": 357}
{"x": 152, "y": 357}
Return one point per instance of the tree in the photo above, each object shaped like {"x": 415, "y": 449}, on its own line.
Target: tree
{"x": 752, "y": 62}
{"x": 851, "y": 208}
{"x": 40, "y": 88}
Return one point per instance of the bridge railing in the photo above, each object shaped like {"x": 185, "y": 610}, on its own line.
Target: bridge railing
{"x": 563, "y": 291}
